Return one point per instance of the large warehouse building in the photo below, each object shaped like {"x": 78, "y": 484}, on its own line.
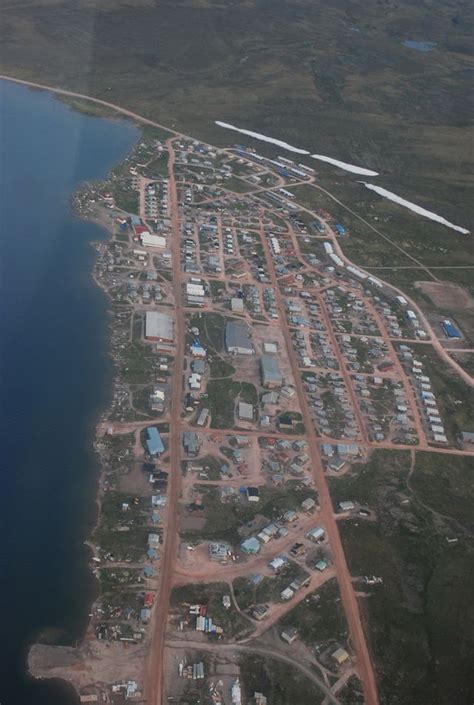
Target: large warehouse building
{"x": 237, "y": 338}
{"x": 271, "y": 375}
{"x": 159, "y": 326}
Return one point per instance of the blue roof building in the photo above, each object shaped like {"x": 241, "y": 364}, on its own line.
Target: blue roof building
{"x": 154, "y": 444}
{"x": 250, "y": 546}
{"x": 450, "y": 331}
{"x": 340, "y": 229}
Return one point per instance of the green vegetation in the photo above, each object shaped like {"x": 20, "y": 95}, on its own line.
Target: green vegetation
{"x": 211, "y": 329}
{"x": 222, "y": 397}
{"x": 229, "y": 520}
{"x": 220, "y": 368}
{"x": 420, "y": 621}
{"x": 352, "y": 693}
{"x": 281, "y": 683}
{"x": 122, "y": 545}
{"x": 125, "y": 198}
{"x": 113, "y": 580}
{"x": 158, "y": 166}
{"x": 445, "y": 483}
{"x": 319, "y": 618}
{"x": 137, "y": 365}
{"x": 237, "y": 185}
{"x": 211, "y": 594}
{"x": 114, "y": 516}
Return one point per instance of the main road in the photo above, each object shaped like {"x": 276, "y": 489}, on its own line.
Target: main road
{"x": 348, "y": 597}
{"x": 155, "y": 668}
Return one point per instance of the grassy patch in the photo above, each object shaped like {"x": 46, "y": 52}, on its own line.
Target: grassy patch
{"x": 211, "y": 594}
{"x": 319, "y": 617}
{"x": 420, "y": 621}
{"x": 281, "y": 683}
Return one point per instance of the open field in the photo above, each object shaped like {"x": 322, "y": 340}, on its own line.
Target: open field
{"x": 419, "y": 621}
{"x": 314, "y": 78}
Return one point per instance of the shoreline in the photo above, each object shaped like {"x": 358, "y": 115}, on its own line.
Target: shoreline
{"x": 54, "y": 661}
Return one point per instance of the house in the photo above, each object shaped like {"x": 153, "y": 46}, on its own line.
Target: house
{"x": 316, "y": 534}
{"x": 149, "y": 599}
{"x": 154, "y": 541}
{"x": 290, "y": 516}
{"x": 467, "y": 437}
{"x": 250, "y": 546}
{"x": 259, "y": 612}
{"x": 253, "y": 494}
{"x": 340, "y": 656}
{"x": 287, "y": 594}
{"x": 278, "y": 563}
{"x": 270, "y": 398}
{"x": 198, "y": 366}
{"x": 191, "y": 442}
{"x": 336, "y": 463}
{"x": 290, "y": 634}
{"x": 346, "y": 506}
{"x": 154, "y": 444}
{"x": 145, "y": 615}
{"x": 308, "y": 504}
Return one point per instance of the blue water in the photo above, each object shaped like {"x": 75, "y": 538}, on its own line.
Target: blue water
{"x": 419, "y": 46}
{"x": 54, "y": 375}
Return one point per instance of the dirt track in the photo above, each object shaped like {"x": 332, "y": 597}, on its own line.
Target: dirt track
{"x": 326, "y": 514}
{"x": 155, "y": 681}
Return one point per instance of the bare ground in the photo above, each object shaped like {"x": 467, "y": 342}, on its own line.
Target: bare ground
{"x": 447, "y": 296}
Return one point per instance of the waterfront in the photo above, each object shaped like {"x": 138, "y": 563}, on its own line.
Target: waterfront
{"x": 54, "y": 375}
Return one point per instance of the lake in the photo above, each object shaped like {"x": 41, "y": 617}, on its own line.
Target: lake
{"x": 55, "y": 375}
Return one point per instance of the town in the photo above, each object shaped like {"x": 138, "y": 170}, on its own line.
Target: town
{"x": 256, "y": 365}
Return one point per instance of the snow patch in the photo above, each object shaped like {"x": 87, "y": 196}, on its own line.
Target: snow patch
{"x": 344, "y": 165}
{"x": 413, "y": 207}
{"x": 263, "y": 138}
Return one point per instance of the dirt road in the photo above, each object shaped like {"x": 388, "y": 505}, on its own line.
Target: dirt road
{"x": 155, "y": 681}
{"x": 326, "y": 514}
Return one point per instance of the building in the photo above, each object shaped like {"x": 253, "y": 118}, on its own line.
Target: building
{"x": 245, "y": 411}
{"x": 250, "y": 546}
{"x": 253, "y": 494}
{"x": 270, "y": 348}
{"x": 340, "y": 656}
{"x": 237, "y": 339}
{"x": 271, "y": 375}
{"x": 317, "y": 534}
{"x": 287, "y": 594}
{"x": 149, "y": 240}
{"x": 346, "y": 506}
{"x": 450, "y": 330}
{"x": 290, "y": 634}
{"x": 467, "y": 437}
{"x": 159, "y": 326}
{"x": 154, "y": 444}
{"x": 237, "y": 305}
{"x": 219, "y": 550}
{"x": 278, "y": 563}
{"x": 308, "y": 504}
{"x": 191, "y": 442}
